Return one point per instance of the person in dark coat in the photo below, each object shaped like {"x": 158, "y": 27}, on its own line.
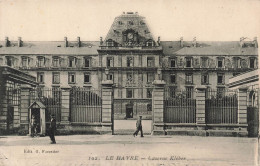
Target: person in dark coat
{"x": 139, "y": 127}
{"x": 52, "y": 129}
{"x": 33, "y": 126}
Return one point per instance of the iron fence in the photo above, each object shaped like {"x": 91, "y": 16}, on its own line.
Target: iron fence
{"x": 179, "y": 106}
{"x": 51, "y": 98}
{"x": 221, "y": 107}
{"x": 85, "y": 105}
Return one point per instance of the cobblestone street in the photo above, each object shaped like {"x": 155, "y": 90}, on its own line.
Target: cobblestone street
{"x": 127, "y": 150}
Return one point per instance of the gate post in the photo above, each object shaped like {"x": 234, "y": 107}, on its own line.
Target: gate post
{"x": 242, "y": 111}
{"x": 200, "y": 105}
{"x": 107, "y": 106}
{"x": 25, "y": 103}
{"x": 200, "y": 110}
{"x": 65, "y": 105}
{"x": 158, "y": 108}
{"x": 242, "y": 106}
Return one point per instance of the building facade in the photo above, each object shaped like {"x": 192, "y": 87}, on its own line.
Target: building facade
{"x": 132, "y": 58}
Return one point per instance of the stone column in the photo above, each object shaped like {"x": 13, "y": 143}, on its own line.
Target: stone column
{"x": 158, "y": 108}
{"x": 200, "y": 105}
{"x": 107, "y": 106}
{"x": 242, "y": 106}
{"x": 25, "y": 103}
{"x": 65, "y": 105}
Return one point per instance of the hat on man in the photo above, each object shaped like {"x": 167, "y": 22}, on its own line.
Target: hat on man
{"x": 52, "y": 115}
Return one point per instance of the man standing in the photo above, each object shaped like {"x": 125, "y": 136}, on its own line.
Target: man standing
{"x": 139, "y": 127}
{"x": 52, "y": 129}
{"x": 33, "y": 126}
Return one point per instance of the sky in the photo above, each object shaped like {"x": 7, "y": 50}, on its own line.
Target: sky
{"x": 207, "y": 20}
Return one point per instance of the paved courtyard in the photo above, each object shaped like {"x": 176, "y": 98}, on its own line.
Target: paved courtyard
{"x": 83, "y": 150}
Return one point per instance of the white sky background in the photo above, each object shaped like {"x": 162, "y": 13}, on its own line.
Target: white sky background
{"x": 208, "y": 20}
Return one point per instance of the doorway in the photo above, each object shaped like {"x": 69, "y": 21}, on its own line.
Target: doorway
{"x": 129, "y": 111}
{"x": 36, "y": 114}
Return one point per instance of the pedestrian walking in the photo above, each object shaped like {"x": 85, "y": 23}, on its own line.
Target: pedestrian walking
{"x": 52, "y": 129}
{"x": 139, "y": 127}
{"x": 33, "y": 126}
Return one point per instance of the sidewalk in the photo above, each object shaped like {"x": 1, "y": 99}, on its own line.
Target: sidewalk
{"x": 150, "y": 150}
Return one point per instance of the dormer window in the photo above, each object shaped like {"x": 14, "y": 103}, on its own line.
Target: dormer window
{"x": 55, "y": 62}
{"x": 189, "y": 62}
{"x": 130, "y": 61}
{"x": 110, "y": 43}
{"x": 41, "y": 61}
{"x": 119, "y": 22}
{"x": 149, "y": 43}
{"x": 172, "y": 62}
{"x": 87, "y": 62}
{"x": 130, "y": 23}
{"x": 220, "y": 62}
{"x": 252, "y": 63}
{"x": 72, "y": 61}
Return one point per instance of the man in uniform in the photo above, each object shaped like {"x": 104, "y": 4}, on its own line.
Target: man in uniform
{"x": 33, "y": 126}
{"x": 139, "y": 127}
{"x": 52, "y": 129}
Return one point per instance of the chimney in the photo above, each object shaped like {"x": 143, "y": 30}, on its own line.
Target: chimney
{"x": 241, "y": 42}
{"x": 101, "y": 41}
{"x": 181, "y": 41}
{"x": 159, "y": 40}
{"x": 7, "y": 42}
{"x": 78, "y": 41}
{"x": 65, "y": 42}
{"x": 255, "y": 42}
{"x": 20, "y": 42}
{"x": 194, "y": 42}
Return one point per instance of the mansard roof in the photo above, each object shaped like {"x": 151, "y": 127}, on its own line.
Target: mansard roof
{"x": 121, "y": 24}
{"x": 218, "y": 48}
{"x": 51, "y": 47}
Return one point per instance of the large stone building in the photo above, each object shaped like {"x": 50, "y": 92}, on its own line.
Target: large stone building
{"x": 131, "y": 57}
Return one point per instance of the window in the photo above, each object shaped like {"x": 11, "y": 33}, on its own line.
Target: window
{"x": 220, "y": 78}
{"x": 220, "y": 62}
{"x": 130, "y": 61}
{"x": 189, "y": 79}
{"x": 150, "y": 77}
{"x": 150, "y": 62}
{"x": 41, "y": 61}
{"x": 110, "y": 77}
{"x": 24, "y": 62}
{"x": 129, "y": 78}
{"x": 204, "y": 79}
{"x": 188, "y": 62}
{"x": 129, "y": 93}
{"x": 9, "y": 61}
{"x": 204, "y": 62}
{"x": 119, "y": 22}
{"x": 172, "y": 62}
{"x": 55, "y": 78}
{"x": 86, "y": 62}
{"x": 86, "y": 78}
{"x": 173, "y": 78}
{"x": 109, "y": 62}
{"x": 149, "y": 93}
{"x": 40, "y": 77}
{"x": 189, "y": 92}
{"x": 149, "y": 43}
{"x": 236, "y": 62}
{"x": 252, "y": 63}
{"x": 130, "y": 23}
{"x": 149, "y": 107}
{"x": 72, "y": 62}
{"x": 72, "y": 78}
{"x": 55, "y": 62}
